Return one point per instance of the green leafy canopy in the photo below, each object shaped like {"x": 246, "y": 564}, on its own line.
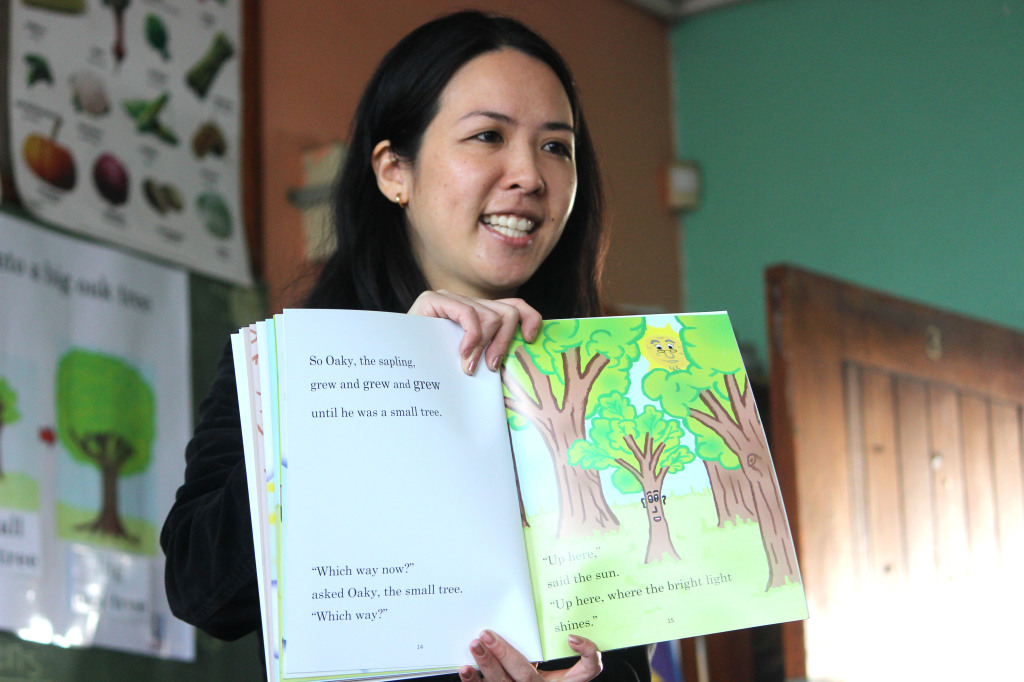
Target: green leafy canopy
{"x": 615, "y": 338}
{"x": 8, "y": 403}
{"x": 712, "y": 353}
{"x": 616, "y": 419}
{"x": 100, "y": 394}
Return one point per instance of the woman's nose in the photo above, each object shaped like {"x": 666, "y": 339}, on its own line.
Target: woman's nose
{"x": 523, "y": 171}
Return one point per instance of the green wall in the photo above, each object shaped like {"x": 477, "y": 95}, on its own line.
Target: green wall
{"x": 879, "y": 142}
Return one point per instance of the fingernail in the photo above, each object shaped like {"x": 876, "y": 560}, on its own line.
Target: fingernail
{"x": 496, "y": 362}
{"x": 470, "y": 363}
{"x": 488, "y": 637}
{"x": 477, "y": 647}
{"x": 573, "y": 639}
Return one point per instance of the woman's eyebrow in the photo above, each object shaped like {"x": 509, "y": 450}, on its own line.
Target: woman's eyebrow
{"x": 508, "y": 120}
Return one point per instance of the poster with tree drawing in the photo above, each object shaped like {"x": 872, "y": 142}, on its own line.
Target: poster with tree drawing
{"x": 19, "y": 474}
{"x": 105, "y": 419}
{"x": 8, "y": 413}
{"x": 95, "y": 411}
{"x": 26, "y": 441}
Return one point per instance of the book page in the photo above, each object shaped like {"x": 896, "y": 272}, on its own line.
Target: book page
{"x": 402, "y": 536}
{"x": 245, "y": 361}
{"x": 269, "y": 490}
{"x": 639, "y": 450}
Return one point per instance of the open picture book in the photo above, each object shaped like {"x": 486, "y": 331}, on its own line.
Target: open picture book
{"x": 612, "y": 481}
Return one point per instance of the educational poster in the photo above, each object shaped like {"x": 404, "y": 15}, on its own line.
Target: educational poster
{"x": 95, "y": 411}
{"x": 124, "y": 124}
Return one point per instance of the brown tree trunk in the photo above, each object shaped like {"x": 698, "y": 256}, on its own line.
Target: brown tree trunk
{"x": 734, "y": 500}
{"x": 110, "y": 452}
{"x": 659, "y": 540}
{"x": 108, "y": 521}
{"x": 744, "y": 436}
{"x": 519, "y": 494}
{"x": 582, "y": 507}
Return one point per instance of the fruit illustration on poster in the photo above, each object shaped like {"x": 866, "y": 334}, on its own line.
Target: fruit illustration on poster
{"x": 215, "y": 214}
{"x": 149, "y": 94}
{"x": 51, "y": 162}
{"x": 157, "y": 35}
{"x": 164, "y": 197}
{"x": 111, "y": 178}
{"x": 88, "y": 93}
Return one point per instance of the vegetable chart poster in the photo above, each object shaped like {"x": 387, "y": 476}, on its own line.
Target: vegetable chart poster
{"x": 95, "y": 410}
{"x": 125, "y": 120}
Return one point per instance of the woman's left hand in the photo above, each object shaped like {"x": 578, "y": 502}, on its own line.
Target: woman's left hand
{"x": 500, "y": 662}
{"x": 489, "y": 325}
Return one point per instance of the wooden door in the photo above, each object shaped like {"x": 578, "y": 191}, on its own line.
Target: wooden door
{"x": 897, "y": 433}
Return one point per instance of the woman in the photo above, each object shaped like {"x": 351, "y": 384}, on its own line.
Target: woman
{"x": 470, "y": 193}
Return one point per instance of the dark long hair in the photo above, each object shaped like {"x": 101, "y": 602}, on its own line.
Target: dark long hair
{"x": 374, "y": 267}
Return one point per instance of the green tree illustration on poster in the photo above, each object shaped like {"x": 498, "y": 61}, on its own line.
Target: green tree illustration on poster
{"x": 614, "y": 434}
{"x": 550, "y": 385}
{"x": 711, "y": 393}
{"x": 105, "y": 418}
{"x": 8, "y": 412}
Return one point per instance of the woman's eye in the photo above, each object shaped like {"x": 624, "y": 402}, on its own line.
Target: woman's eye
{"x": 559, "y": 148}
{"x": 489, "y": 136}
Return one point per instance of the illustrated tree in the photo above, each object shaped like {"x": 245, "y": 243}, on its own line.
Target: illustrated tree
{"x": 8, "y": 411}
{"x": 550, "y": 385}
{"x": 614, "y": 433}
{"x": 713, "y": 395}
{"x": 105, "y": 418}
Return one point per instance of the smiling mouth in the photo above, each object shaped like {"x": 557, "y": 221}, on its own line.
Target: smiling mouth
{"x": 509, "y": 225}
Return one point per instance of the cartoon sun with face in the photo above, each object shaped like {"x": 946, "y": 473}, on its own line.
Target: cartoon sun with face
{"x": 663, "y": 348}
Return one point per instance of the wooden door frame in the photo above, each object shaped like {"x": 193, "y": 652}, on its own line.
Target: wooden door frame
{"x": 850, "y": 324}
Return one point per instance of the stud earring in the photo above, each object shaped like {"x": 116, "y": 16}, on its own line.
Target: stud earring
{"x": 398, "y": 200}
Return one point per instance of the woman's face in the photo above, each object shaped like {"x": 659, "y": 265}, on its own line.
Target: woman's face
{"x": 495, "y": 179}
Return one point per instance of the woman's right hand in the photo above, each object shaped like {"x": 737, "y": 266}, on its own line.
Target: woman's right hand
{"x": 489, "y": 325}
{"x": 499, "y": 661}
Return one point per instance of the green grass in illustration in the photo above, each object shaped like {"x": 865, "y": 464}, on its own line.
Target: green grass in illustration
{"x": 70, "y": 518}
{"x": 19, "y": 491}
{"x": 706, "y": 553}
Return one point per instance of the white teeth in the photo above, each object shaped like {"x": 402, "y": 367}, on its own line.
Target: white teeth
{"x": 509, "y": 225}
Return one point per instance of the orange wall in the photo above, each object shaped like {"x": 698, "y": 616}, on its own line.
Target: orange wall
{"x": 316, "y": 55}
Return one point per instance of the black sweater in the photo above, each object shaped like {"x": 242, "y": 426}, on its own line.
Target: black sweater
{"x": 210, "y": 574}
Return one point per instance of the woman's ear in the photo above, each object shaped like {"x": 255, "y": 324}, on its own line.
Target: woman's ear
{"x": 390, "y": 174}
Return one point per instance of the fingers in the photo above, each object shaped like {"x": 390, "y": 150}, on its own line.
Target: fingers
{"x": 467, "y": 674}
{"x": 499, "y": 661}
{"x": 489, "y": 326}
{"x": 529, "y": 319}
{"x": 589, "y": 665}
{"x": 515, "y": 313}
